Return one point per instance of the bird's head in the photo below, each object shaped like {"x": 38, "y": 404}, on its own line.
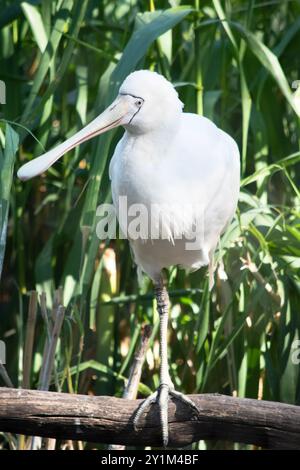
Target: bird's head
{"x": 155, "y": 102}
{"x": 146, "y": 102}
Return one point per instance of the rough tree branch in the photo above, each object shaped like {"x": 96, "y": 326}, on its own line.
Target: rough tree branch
{"x": 109, "y": 420}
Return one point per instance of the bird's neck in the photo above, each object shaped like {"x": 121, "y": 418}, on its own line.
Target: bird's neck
{"x": 157, "y": 141}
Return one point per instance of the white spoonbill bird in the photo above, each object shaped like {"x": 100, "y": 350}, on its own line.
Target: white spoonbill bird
{"x": 183, "y": 171}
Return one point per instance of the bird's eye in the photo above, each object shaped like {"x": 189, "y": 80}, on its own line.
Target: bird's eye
{"x": 139, "y": 103}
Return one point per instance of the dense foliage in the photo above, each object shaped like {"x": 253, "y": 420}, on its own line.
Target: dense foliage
{"x": 237, "y": 63}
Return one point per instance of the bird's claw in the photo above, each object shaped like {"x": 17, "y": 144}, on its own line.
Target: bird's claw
{"x": 161, "y": 396}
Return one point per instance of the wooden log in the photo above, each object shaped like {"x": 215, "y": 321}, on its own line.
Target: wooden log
{"x": 109, "y": 420}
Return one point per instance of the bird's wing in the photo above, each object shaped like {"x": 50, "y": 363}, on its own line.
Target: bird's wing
{"x": 208, "y": 159}
{"x": 205, "y": 171}
{"x": 196, "y": 180}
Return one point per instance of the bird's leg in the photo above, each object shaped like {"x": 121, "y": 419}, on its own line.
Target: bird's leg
{"x": 166, "y": 384}
{"x": 166, "y": 387}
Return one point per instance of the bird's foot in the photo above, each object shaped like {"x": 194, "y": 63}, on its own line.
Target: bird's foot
{"x": 161, "y": 396}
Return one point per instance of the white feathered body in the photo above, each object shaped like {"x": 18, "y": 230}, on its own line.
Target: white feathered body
{"x": 194, "y": 165}
{"x": 179, "y": 167}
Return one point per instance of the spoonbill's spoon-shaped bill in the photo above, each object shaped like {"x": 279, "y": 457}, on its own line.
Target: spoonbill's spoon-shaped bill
{"x": 120, "y": 112}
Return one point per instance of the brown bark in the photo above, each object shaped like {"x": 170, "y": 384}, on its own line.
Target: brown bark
{"x": 109, "y": 420}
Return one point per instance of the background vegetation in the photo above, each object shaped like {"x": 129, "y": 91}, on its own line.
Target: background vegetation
{"x": 62, "y": 62}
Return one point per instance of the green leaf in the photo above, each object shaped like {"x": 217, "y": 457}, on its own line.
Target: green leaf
{"x": 269, "y": 60}
{"x": 97, "y": 366}
{"x": 6, "y": 176}
{"x": 271, "y": 169}
{"x": 36, "y": 23}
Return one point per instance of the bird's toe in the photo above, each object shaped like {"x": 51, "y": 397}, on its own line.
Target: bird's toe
{"x": 186, "y": 400}
{"x": 143, "y": 407}
{"x": 161, "y": 396}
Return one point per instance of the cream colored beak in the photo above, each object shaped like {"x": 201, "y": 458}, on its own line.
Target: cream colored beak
{"x": 112, "y": 117}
